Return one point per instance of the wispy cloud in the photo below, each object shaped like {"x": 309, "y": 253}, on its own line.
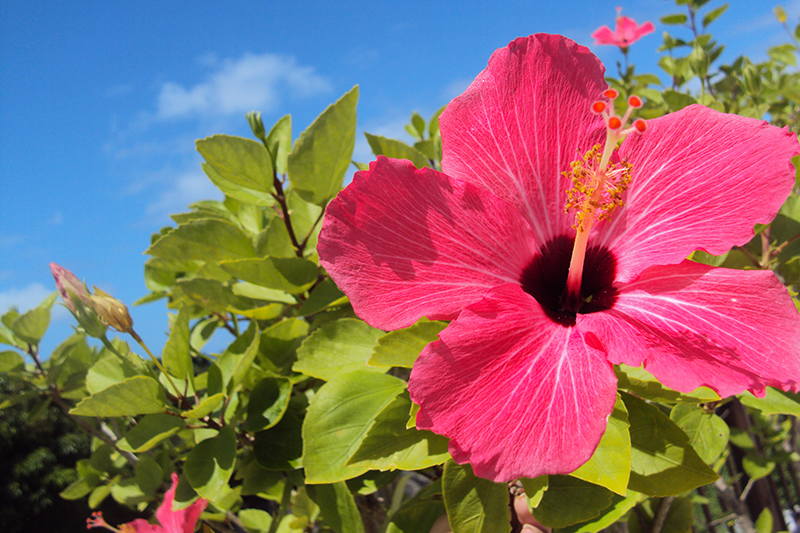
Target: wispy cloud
{"x": 237, "y": 86}
{"x": 189, "y": 187}
{"x": 27, "y": 298}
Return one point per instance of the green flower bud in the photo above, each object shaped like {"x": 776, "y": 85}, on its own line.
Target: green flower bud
{"x": 111, "y": 311}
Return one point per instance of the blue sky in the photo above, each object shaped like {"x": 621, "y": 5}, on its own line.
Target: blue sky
{"x": 100, "y": 104}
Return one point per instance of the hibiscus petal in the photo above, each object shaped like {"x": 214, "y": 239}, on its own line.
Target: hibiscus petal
{"x": 694, "y": 325}
{"x": 628, "y": 32}
{"x": 522, "y": 122}
{"x": 404, "y": 243}
{"x": 604, "y": 35}
{"x": 691, "y": 170}
{"x": 517, "y": 394}
{"x": 183, "y": 520}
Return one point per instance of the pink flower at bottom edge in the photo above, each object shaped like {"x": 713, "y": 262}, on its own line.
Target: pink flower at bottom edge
{"x": 521, "y": 381}
{"x": 171, "y": 521}
{"x": 627, "y": 32}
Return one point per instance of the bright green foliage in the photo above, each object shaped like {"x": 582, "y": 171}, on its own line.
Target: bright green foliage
{"x": 663, "y": 462}
{"x": 610, "y": 466}
{"x": 337, "y": 422}
{"x": 320, "y": 157}
{"x": 303, "y": 409}
{"x": 138, "y": 395}
{"x": 474, "y": 505}
{"x": 337, "y": 348}
{"x": 401, "y": 347}
{"x": 569, "y": 501}
{"x": 337, "y": 507}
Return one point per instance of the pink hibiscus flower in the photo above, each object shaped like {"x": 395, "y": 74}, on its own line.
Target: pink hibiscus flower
{"x": 182, "y": 521}
{"x": 543, "y": 301}
{"x": 627, "y": 32}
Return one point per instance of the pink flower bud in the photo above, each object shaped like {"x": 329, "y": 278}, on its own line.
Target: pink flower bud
{"x": 69, "y": 286}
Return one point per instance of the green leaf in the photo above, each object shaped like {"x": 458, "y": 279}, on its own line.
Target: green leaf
{"x": 109, "y": 370}
{"x": 418, "y": 122}
{"x": 611, "y": 463}
{"x": 676, "y": 101}
{"x": 205, "y": 240}
{"x": 784, "y": 53}
{"x": 707, "y": 432}
{"x": 148, "y": 475}
{"x": 569, "y": 500}
{"x": 291, "y": 274}
{"x": 619, "y": 507}
{"x": 150, "y": 430}
{"x": 81, "y": 486}
{"x": 210, "y": 464}
{"x": 324, "y": 295}
{"x": 642, "y": 383}
{"x": 139, "y": 395}
{"x": 396, "y": 150}
{"x": 205, "y": 407}
{"x": 320, "y": 157}
{"x": 281, "y": 446}
{"x": 10, "y": 361}
{"x": 268, "y": 402}
{"x": 420, "y": 512}
{"x": 764, "y": 522}
{"x": 663, "y": 461}
{"x": 338, "y": 418}
{"x": 714, "y": 14}
{"x": 757, "y": 467}
{"x": 535, "y": 489}
{"x": 231, "y": 190}
{"x": 389, "y": 445}
{"x": 255, "y": 520}
{"x": 474, "y": 504}
{"x": 32, "y": 325}
{"x": 242, "y": 162}
{"x": 338, "y": 347}
{"x": 279, "y": 141}
{"x": 402, "y": 347}
{"x": 678, "y": 18}
{"x": 274, "y": 241}
{"x": 774, "y": 402}
{"x": 237, "y": 359}
{"x": 279, "y": 341}
{"x": 337, "y": 507}
{"x": 175, "y": 356}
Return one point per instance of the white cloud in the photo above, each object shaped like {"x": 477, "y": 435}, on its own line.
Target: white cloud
{"x": 29, "y": 297}
{"x": 189, "y": 187}
{"x": 238, "y": 86}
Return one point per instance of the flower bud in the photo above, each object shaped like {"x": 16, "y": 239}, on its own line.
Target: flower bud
{"x": 77, "y": 299}
{"x": 111, "y": 311}
{"x": 254, "y": 119}
{"x": 69, "y": 286}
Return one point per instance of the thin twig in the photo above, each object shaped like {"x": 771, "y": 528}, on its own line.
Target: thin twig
{"x": 661, "y": 514}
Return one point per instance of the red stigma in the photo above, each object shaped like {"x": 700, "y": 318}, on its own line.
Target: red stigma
{"x": 598, "y": 107}
{"x": 610, "y": 93}
{"x": 635, "y": 101}
{"x": 640, "y": 125}
{"x": 615, "y": 123}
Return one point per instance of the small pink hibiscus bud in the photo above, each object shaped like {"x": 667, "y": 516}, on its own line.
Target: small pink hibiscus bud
{"x": 69, "y": 286}
{"x": 77, "y": 298}
{"x": 111, "y": 311}
{"x": 627, "y": 32}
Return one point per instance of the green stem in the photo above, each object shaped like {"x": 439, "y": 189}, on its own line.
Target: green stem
{"x": 285, "y": 500}
{"x": 138, "y": 339}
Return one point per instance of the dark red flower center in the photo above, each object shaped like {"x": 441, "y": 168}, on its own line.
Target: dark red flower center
{"x": 545, "y": 278}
